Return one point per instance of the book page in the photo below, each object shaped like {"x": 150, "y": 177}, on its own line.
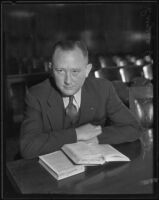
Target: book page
{"x": 109, "y": 152}
{"x": 82, "y": 149}
{"x": 89, "y": 154}
{"x": 59, "y": 162}
{"x": 81, "y": 153}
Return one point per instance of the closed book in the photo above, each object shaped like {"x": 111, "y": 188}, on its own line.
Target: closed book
{"x": 59, "y": 165}
{"x": 93, "y": 154}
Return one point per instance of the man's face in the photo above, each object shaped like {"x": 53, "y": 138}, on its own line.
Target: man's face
{"x": 70, "y": 70}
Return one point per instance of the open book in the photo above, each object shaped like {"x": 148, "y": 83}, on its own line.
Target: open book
{"x": 82, "y": 154}
{"x": 58, "y": 164}
{"x": 92, "y": 154}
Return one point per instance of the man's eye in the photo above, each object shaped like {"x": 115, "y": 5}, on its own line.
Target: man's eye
{"x": 59, "y": 70}
{"x": 75, "y": 71}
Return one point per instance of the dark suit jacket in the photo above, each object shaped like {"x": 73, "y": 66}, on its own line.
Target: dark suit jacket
{"x": 45, "y": 128}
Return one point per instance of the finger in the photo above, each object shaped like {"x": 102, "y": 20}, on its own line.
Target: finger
{"x": 97, "y": 127}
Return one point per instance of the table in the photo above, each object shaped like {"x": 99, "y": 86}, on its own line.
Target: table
{"x": 134, "y": 177}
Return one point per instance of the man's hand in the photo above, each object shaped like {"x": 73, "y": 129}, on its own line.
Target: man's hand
{"x": 92, "y": 141}
{"x": 88, "y": 131}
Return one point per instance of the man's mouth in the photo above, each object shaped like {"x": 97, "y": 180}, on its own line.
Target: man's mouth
{"x": 68, "y": 87}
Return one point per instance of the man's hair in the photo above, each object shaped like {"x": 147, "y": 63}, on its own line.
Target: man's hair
{"x": 70, "y": 45}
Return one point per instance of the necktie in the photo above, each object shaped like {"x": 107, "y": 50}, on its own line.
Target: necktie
{"x": 71, "y": 110}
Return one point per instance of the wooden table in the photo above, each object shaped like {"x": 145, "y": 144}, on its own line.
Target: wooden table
{"x": 135, "y": 177}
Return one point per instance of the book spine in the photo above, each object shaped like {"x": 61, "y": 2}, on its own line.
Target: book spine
{"x": 71, "y": 155}
{"x": 74, "y": 172}
{"x": 53, "y": 173}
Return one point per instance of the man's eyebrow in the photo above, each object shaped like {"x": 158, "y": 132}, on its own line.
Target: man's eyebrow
{"x": 58, "y": 67}
{"x": 77, "y": 69}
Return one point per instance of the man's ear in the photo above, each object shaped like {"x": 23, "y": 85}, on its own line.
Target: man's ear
{"x": 88, "y": 69}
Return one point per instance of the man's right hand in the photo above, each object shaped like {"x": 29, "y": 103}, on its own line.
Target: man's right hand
{"x": 87, "y": 132}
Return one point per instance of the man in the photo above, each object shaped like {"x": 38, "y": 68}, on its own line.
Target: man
{"x": 71, "y": 107}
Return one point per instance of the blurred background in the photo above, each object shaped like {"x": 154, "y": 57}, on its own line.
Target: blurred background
{"x": 119, "y": 37}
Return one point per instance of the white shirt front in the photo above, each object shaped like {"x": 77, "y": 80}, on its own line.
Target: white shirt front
{"x": 76, "y": 100}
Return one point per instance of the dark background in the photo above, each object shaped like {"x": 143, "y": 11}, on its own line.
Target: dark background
{"x": 110, "y": 28}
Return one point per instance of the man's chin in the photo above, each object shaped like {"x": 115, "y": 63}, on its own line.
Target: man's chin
{"x": 68, "y": 92}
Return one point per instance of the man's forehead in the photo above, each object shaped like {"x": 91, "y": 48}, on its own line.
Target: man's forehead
{"x": 72, "y": 56}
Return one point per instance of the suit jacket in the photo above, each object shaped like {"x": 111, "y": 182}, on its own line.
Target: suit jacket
{"x": 46, "y": 129}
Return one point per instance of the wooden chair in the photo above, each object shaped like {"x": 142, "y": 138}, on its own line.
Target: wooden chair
{"x": 15, "y": 100}
{"x": 148, "y": 72}
{"x": 129, "y": 73}
{"x": 111, "y": 74}
{"x": 141, "y": 104}
{"x": 124, "y": 74}
{"x": 140, "y": 81}
{"x": 106, "y": 61}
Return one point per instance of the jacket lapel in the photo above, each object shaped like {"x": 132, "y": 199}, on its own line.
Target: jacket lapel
{"x": 55, "y": 110}
{"x": 88, "y": 105}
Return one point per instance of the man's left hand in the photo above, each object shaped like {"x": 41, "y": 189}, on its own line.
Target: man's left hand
{"x": 92, "y": 141}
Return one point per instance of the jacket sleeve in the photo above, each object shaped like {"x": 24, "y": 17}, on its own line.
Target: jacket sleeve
{"x": 123, "y": 125}
{"x": 34, "y": 139}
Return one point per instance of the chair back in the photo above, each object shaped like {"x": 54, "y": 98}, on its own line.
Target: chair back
{"x": 141, "y": 104}
{"x": 124, "y": 74}
{"x": 147, "y": 72}
{"x": 108, "y": 73}
{"x": 129, "y": 73}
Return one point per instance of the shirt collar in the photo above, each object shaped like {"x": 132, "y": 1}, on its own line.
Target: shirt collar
{"x": 76, "y": 100}
{"x": 77, "y": 97}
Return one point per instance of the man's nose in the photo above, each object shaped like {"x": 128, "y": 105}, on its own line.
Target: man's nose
{"x": 67, "y": 78}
